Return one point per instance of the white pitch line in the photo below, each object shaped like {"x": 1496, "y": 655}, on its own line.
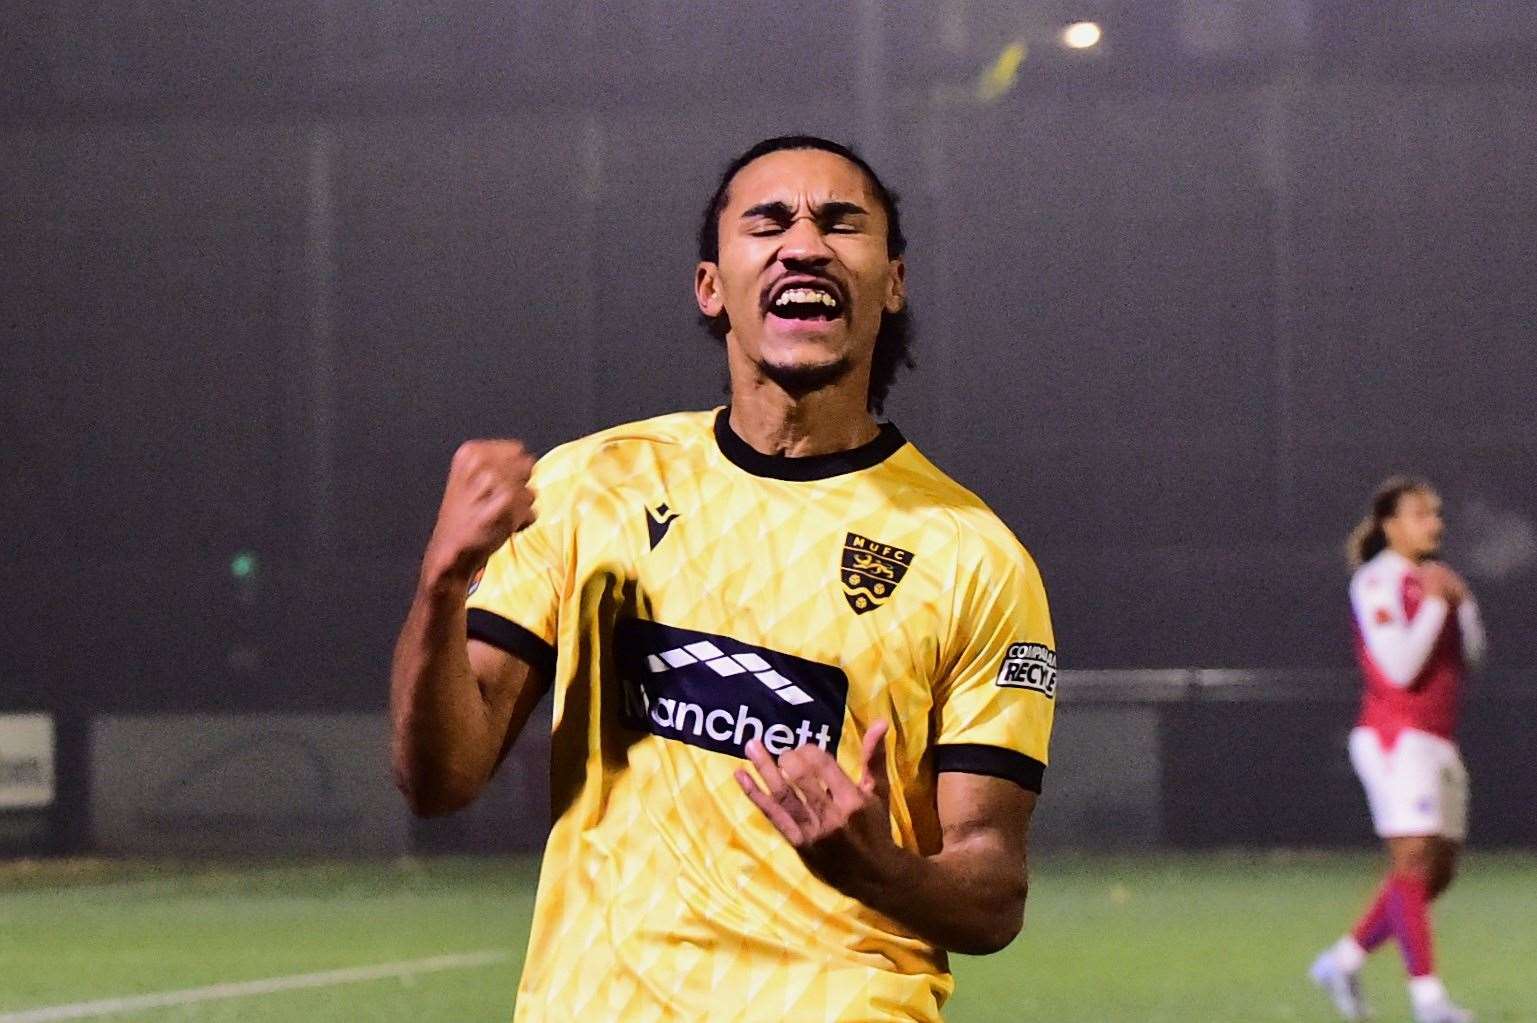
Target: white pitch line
{"x": 245, "y": 989}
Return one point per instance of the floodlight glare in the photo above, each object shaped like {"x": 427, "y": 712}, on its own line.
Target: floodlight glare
{"x": 1081, "y": 35}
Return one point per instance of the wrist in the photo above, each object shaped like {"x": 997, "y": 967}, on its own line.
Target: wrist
{"x": 445, "y": 578}
{"x": 884, "y": 876}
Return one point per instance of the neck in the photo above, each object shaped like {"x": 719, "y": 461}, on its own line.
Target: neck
{"x": 775, "y": 422}
{"x": 1404, "y": 552}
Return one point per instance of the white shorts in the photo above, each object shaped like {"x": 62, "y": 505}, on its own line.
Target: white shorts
{"x": 1419, "y": 787}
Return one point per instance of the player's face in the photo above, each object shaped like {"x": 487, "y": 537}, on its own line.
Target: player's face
{"x": 1416, "y": 527}
{"x": 803, "y": 276}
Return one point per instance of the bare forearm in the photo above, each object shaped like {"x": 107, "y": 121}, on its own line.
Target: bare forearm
{"x": 968, "y": 899}
{"x": 443, "y": 750}
{"x": 454, "y": 711}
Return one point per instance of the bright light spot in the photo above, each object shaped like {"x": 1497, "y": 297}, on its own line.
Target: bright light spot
{"x": 1081, "y": 35}
{"x": 243, "y": 565}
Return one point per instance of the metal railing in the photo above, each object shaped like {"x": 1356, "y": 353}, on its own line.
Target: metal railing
{"x": 1182, "y": 685}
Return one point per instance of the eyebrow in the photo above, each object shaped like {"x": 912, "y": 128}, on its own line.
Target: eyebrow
{"x": 781, "y": 211}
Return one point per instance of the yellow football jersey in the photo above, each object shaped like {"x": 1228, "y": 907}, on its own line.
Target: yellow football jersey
{"x": 685, "y": 594}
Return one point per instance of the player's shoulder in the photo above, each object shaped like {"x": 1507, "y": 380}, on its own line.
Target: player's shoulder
{"x": 618, "y": 444}
{"x": 1381, "y": 575}
{"x": 979, "y": 535}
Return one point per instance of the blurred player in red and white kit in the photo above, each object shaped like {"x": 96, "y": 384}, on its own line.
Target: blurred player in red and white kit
{"x": 1417, "y": 634}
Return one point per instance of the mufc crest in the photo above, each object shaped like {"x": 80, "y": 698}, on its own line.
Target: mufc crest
{"x": 870, "y": 571}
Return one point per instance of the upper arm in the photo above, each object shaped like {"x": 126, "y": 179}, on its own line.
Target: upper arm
{"x": 510, "y": 688}
{"x": 1475, "y": 643}
{"x": 1377, "y": 604}
{"x": 513, "y": 608}
{"x": 1398, "y": 645}
{"x": 995, "y": 700}
{"x": 985, "y": 827}
{"x": 977, "y": 811}
{"x": 993, "y": 715}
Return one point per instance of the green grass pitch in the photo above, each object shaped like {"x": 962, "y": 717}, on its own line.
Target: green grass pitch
{"x": 1224, "y": 938}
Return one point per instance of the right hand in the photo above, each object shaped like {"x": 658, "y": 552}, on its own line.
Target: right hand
{"x": 486, "y": 500}
{"x": 1440, "y": 581}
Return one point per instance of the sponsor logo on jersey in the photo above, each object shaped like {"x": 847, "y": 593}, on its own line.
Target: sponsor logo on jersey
{"x": 870, "y": 571}
{"x": 1030, "y": 666}
{"x": 718, "y": 693}
{"x": 659, "y": 518}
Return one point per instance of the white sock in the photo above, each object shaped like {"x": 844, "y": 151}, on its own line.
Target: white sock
{"x": 1349, "y": 954}
{"x": 1426, "y": 990}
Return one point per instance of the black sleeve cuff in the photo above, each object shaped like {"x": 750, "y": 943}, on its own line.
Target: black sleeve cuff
{"x": 993, "y": 761}
{"x": 513, "y": 638}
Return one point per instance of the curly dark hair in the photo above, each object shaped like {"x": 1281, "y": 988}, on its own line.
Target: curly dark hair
{"x": 894, "y": 339}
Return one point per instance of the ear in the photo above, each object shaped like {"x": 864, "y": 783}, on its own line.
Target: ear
{"x": 707, "y": 290}
{"x": 896, "y": 287}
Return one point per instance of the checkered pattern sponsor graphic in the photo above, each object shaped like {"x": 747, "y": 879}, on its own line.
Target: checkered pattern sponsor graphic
{"x": 707, "y": 653}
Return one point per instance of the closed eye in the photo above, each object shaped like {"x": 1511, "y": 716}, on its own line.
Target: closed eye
{"x": 836, "y": 217}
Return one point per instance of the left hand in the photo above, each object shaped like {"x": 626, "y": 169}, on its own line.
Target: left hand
{"x": 1439, "y": 580}
{"x": 840, "y": 828}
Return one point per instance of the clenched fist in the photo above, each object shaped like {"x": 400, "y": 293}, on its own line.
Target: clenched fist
{"x": 486, "y": 500}
{"x": 1440, "y": 581}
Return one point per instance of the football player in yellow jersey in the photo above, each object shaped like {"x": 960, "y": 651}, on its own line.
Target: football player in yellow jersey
{"x": 803, "y": 682}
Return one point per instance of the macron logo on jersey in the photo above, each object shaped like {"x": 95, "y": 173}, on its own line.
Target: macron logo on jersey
{"x": 719, "y": 694}
{"x": 659, "y": 520}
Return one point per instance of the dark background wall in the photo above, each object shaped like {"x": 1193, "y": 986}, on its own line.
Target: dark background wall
{"x": 1183, "y": 301}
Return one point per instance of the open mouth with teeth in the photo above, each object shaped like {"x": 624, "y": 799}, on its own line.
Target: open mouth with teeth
{"x": 806, "y": 302}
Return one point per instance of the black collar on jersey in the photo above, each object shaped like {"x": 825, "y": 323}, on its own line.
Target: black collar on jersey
{"x": 810, "y": 467}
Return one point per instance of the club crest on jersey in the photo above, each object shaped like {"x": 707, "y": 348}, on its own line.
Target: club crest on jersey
{"x": 870, "y": 571}
{"x": 1030, "y": 666}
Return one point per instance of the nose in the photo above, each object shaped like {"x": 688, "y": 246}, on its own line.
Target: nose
{"x": 803, "y": 244}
